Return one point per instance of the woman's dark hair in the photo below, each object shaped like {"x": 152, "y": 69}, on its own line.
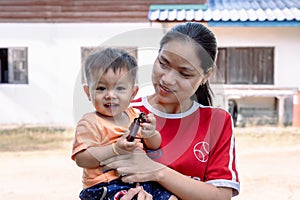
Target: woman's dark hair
{"x": 206, "y": 49}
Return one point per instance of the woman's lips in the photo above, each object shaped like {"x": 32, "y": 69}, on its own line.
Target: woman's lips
{"x": 164, "y": 89}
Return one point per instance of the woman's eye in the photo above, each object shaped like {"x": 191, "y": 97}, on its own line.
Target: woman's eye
{"x": 185, "y": 75}
{"x": 162, "y": 65}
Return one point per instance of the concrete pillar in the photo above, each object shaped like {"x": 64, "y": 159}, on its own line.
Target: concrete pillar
{"x": 281, "y": 110}
{"x": 226, "y": 103}
{"x": 296, "y": 116}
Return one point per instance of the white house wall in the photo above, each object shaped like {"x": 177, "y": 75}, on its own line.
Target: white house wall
{"x": 54, "y": 61}
{"x": 286, "y": 41}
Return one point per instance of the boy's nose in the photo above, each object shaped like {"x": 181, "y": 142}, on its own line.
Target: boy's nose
{"x": 110, "y": 94}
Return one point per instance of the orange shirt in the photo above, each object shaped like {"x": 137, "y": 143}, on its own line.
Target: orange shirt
{"x": 91, "y": 131}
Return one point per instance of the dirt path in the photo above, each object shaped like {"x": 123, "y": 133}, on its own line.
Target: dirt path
{"x": 270, "y": 173}
{"x": 39, "y": 176}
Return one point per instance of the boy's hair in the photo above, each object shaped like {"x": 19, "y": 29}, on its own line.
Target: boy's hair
{"x": 100, "y": 60}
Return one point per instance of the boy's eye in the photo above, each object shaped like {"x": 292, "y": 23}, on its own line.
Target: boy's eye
{"x": 120, "y": 88}
{"x": 101, "y": 88}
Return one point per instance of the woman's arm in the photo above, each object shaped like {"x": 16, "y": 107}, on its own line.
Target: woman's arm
{"x": 187, "y": 188}
{"x": 138, "y": 167}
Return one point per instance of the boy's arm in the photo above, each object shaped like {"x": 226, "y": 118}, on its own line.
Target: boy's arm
{"x": 87, "y": 149}
{"x": 91, "y": 157}
{"x": 154, "y": 141}
{"x": 151, "y": 137}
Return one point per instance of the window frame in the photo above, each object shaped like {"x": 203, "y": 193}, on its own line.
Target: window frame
{"x": 16, "y": 65}
{"x": 245, "y": 66}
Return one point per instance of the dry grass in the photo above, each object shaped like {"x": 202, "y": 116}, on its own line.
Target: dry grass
{"x": 34, "y": 138}
{"x": 264, "y": 138}
{"x": 50, "y": 138}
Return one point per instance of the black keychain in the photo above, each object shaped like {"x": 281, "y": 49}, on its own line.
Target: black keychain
{"x": 134, "y": 127}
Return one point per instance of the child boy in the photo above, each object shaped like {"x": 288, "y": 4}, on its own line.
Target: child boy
{"x": 111, "y": 78}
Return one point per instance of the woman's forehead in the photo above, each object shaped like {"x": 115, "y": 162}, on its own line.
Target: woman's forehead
{"x": 180, "y": 51}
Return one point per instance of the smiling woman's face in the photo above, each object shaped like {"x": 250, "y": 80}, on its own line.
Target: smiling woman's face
{"x": 177, "y": 73}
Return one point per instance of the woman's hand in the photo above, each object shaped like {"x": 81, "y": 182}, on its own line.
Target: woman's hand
{"x": 139, "y": 191}
{"x": 134, "y": 167}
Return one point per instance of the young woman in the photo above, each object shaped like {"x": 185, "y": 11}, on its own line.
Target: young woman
{"x": 197, "y": 156}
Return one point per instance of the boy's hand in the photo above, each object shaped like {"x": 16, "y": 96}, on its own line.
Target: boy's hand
{"x": 148, "y": 128}
{"x": 122, "y": 146}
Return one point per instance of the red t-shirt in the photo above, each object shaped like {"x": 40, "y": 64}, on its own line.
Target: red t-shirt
{"x": 198, "y": 143}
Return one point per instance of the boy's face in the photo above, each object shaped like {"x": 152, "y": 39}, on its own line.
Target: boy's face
{"x": 112, "y": 92}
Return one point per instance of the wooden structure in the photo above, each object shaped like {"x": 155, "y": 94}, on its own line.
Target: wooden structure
{"x": 58, "y": 11}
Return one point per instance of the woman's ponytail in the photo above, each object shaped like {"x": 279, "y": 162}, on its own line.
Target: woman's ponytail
{"x": 204, "y": 95}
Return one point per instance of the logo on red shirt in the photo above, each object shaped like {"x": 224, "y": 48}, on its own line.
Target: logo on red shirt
{"x": 201, "y": 151}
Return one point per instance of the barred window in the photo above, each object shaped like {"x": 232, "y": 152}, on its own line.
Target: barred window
{"x": 245, "y": 65}
{"x": 13, "y": 65}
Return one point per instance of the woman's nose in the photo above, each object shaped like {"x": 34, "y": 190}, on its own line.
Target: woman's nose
{"x": 169, "y": 77}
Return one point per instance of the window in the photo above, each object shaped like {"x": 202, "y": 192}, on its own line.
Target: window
{"x": 86, "y": 50}
{"x": 254, "y": 65}
{"x": 13, "y": 65}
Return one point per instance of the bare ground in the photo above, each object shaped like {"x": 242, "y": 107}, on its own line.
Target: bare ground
{"x": 268, "y": 166}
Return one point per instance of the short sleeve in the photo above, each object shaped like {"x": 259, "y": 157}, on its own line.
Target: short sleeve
{"x": 221, "y": 168}
{"x": 86, "y": 135}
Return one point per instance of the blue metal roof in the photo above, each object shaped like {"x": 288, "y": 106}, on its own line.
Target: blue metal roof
{"x": 240, "y": 11}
